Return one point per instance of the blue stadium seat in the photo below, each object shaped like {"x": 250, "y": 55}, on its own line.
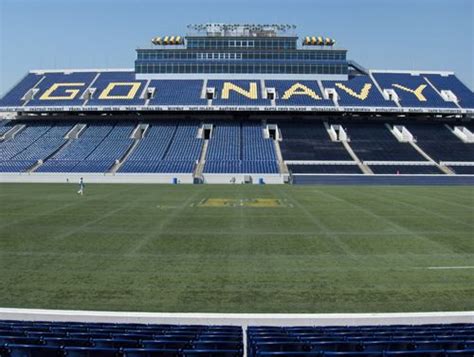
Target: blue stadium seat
{"x": 358, "y": 91}
{"x": 149, "y": 352}
{"x": 405, "y": 84}
{"x": 177, "y": 92}
{"x": 32, "y": 351}
{"x": 127, "y": 91}
{"x": 90, "y": 352}
{"x": 298, "y": 93}
{"x": 14, "y": 97}
{"x": 55, "y": 89}
{"x": 451, "y": 82}
{"x": 234, "y": 98}
{"x": 211, "y": 353}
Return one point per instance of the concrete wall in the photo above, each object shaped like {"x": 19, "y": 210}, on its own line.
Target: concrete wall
{"x": 37, "y": 177}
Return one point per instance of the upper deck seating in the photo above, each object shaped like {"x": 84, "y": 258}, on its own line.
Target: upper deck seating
{"x": 375, "y": 142}
{"x": 61, "y": 89}
{"x": 116, "y": 89}
{"x": 14, "y": 97}
{"x": 237, "y": 92}
{"x": 358, "y": 91}
{"x": 309, "y": 141}
{"x": 177, "y": 92}
{"x": 298, "y": 93}
{"x": 440, "y": 143}
{"x": 464, "y": 95}
{"x": 413, "y": 90}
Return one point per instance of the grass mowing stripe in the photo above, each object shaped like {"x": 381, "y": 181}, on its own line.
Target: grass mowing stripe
{"x": 388, "y": 220}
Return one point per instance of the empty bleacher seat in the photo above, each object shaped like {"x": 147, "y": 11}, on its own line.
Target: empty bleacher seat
{"x": 177, "y": 92}
{"x": 440, "y": 143}
{"x": 309, "y": 140}
{"x": 117, "y": 89}
{"x": 412, "y": 90}
{"x": 358, "y": 91}
{"x": 298, "y": 93}
{"x": 237, "y": 92}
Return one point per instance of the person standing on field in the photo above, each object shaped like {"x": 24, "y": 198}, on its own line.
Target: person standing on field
{"x": 81, "y": 187}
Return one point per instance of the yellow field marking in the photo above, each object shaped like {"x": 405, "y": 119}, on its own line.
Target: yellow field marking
{"x": 235, "y": 202}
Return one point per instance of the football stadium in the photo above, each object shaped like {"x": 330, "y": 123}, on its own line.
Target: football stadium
{"x": 244, "y": 190}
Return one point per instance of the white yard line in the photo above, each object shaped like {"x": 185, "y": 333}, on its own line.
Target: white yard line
{"x": 453, "y": 267}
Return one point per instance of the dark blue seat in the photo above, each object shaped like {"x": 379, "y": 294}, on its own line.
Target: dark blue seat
{"x": 419, "y": 353}
{"x": 211, "y": 353}
{"x": 115, "y": 343}
{"x": 167, "y": 345}
{"x": 90, "y": 352}
{"x": 289, "y": 354}
{"x": 32, "y": 351}
{"x": 149, "y": 352}
{"x": 460, "y": 353}
{"x": 12, "y": 333}
{"x": 352, "y": 354}
{"x": 70, "y": 342}
{"x": 337, "y": 346}
{"x": 388, "y": 346}
{"x": 282, "y": 347}
{"x": 217, "y": 345}
{"x": 20, "y": 340}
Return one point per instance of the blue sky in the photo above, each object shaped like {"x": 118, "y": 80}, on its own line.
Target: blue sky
{"x": 392, "y": 34}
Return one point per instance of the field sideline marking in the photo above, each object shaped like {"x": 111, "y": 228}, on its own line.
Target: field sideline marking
{"x": 452, "y": 267}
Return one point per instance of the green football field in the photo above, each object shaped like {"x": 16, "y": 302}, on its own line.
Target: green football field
{"x": 209, "y": 248}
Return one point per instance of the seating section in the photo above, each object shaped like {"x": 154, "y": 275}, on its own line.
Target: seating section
{"x": 166, "y": 148}
{"x": 237, "y": 92}
{"x": 59, "y": 89}
{"x": 324, "y": 169}
{"x": 307, "y": 140}
{"x": 413, "y": 91}
{"x": 14, "y": 98}
{"x": 5, "y": 126}
{"x": 23, "y": 338}
{"x": 96, "y": 149}
{"x": 121, "y": 88}
{"x": 298, "y": 93}
{"x": 463, "y": 170}
{"x": 405, "y": 169}
{"x": 464, "y": 95}
{"x": 358, "y": 91}
{"x": 240, "y": 148}
{"x": 375, "y": 142}
{"x": 177, "y": 92}
{"x": 116, "y": 89}
{"x": 35, "y": 142}
{"x": 440, "y": 143}
{"x": 399, "y": 340}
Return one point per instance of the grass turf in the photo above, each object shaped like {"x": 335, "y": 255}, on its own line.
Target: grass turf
{"x": 160, "y": 248}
